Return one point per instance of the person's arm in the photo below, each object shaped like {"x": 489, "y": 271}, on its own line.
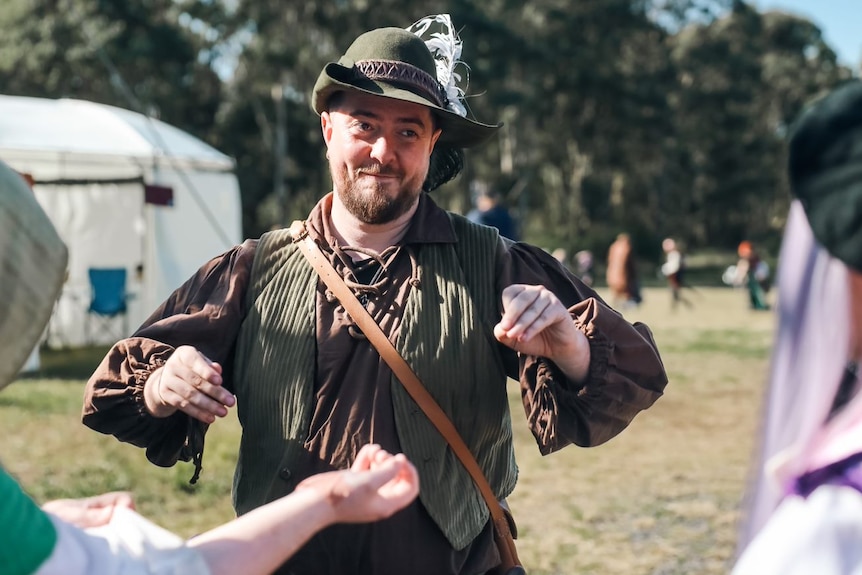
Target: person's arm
{"x": 205, "y": 313}
{"x": 617, "y": 376}
{"x": 377, "y": 485}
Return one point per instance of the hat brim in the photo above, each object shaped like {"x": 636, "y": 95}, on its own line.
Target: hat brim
{"x": 457, "y": 131}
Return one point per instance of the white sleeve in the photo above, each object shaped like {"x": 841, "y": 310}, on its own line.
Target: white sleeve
{"x": 820, "y": 534}
{"x": 128, "y": 545}
{"x": 671, "y": 266}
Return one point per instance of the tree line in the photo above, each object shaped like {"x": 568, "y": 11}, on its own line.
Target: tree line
{"x": 653, "y": 117}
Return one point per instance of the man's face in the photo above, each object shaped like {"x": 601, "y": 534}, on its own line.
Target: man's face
{"x": 378, "y": 150}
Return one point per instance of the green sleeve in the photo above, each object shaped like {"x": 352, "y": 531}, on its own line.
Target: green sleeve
{"x": 26, "y": 531}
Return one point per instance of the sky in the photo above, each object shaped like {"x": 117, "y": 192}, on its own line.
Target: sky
{"x": 839, "y": 20}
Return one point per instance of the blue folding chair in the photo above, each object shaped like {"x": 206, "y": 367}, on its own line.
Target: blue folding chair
{"x": 108, "y": 299}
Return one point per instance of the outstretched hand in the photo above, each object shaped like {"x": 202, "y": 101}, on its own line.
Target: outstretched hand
{"x": 189, "y": 382}
{"x": 535, "y": 322}
{"x": 376, "y": 486}
{"x": 91, "y": 511}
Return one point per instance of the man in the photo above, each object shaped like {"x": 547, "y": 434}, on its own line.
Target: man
{"x": 622, "y": 273}
{"x": 674, "y": 270}
{"x": 488, "y": 211}
{"x": 256, "y": 328}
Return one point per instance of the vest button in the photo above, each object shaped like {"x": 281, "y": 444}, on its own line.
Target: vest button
{"x": 284, "y": 473}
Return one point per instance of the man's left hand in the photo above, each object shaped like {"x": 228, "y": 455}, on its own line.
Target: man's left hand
{"x": 535, "y": 322}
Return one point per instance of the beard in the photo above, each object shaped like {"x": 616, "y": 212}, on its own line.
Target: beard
{"x": 369, "y": 202}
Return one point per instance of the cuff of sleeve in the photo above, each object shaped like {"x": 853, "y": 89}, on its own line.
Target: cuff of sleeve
{"x": 142, "y": 375}
{"x": 128, "y": 544}
{"x": 552, "y": 393}
{"x": 600, "y": 353}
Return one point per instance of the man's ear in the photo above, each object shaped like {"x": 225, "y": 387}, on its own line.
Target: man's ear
{"x": 326, "y": 127}
{"x": 434, "y": 137}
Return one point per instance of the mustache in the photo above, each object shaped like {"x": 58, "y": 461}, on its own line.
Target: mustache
{"x": 378, "y": 170}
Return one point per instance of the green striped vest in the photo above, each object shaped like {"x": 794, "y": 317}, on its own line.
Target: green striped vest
{"x": 446, "y": 328}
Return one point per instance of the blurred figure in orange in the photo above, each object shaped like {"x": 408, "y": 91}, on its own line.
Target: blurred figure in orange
{"x": 622, "y": 274}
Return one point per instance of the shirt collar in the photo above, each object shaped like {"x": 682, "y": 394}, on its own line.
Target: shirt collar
{"x": 430, "y": 223}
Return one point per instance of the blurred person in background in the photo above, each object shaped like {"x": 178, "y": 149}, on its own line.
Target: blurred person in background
{"x": 752, "y": 272}
{"x": 803, "y": 510}
{"x": 584, "y": 266}
{"x": 489, "y": 210}
{"x": 622, "y": 273}
{"x": 674, "y": 270}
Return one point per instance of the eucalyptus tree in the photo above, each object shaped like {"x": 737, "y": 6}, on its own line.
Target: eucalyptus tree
{"x": 150, "y": 57}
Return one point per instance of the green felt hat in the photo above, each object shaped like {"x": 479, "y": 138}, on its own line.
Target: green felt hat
{"x": 825, "y": 166}
{"x": 395, "y": 63}
{"x": 32, "y": 269}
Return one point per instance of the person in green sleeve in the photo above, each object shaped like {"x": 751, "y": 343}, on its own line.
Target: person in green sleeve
{"x": 103, "y": 535}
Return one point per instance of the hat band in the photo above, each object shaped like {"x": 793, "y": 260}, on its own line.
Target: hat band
{"x": 402, "y": 73}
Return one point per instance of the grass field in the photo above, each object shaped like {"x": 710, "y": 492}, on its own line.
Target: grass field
{"x": 661, "y": 499}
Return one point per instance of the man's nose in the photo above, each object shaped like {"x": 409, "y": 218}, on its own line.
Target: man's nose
{"x": 383, "y": 149}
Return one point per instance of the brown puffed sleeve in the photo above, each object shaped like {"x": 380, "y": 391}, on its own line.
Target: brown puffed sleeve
{"x": 205, "y": 312}
{"x": 626, "y": 374}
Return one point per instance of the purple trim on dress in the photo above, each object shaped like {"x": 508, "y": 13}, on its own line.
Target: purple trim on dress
{"x": 847, "y": 473}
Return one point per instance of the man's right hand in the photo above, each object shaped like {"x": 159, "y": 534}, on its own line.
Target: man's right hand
{"x": 188, "y": 382}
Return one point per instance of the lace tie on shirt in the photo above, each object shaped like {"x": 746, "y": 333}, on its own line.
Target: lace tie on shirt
{"x": 379, "y": 283}
{"x": 415, "y": 270}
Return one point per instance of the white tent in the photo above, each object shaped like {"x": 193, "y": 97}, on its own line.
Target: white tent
{"x": 89, "y": 164}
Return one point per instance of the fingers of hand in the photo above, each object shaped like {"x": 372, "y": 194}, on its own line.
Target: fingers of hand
{"x": 385, "y": 484}
{"x": 197, "y": 362}
{"x": 124, "y": 499}
{"x": 199, "y": 395}
{"x": 381, "y": 475}
{"x": 527, "y": 310}
{"x": 382, "y": 491}
{"x": 403, "y": 487}
{"x": 381, "y": 457}
{"x": 408, "y": 476}
{"x": 365, "y": 457}
{"x": 95, "y": 517}
{"x": 83, "y": 513}
{"x": 112, "y": 499}
{"x": 512, "y": 302}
